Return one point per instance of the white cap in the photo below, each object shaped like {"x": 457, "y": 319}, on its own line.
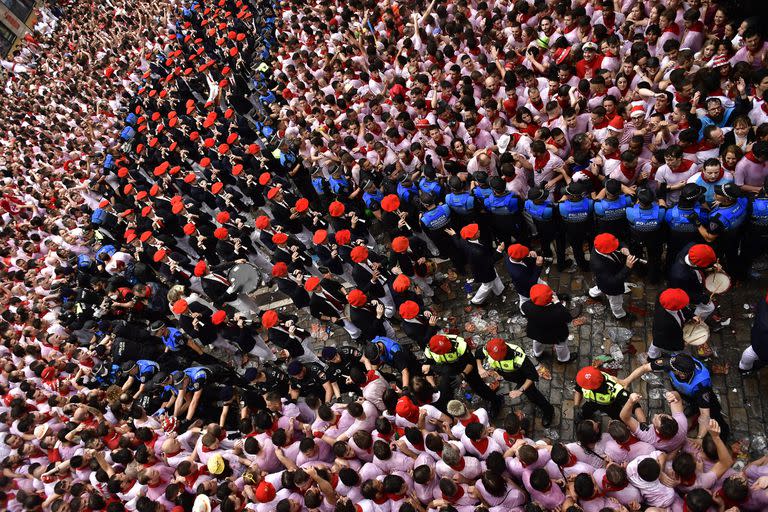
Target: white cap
{"x": 503, "y": 143}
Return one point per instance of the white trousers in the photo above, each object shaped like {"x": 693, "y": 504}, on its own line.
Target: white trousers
{"x": 495, "y": 286}
{"x": 748, "y": 358}
{"x": 352, "y": 329}
{"x": 561, "y": 349}
{"x": 704, "y": 310}
{"x": 616, "y": 302}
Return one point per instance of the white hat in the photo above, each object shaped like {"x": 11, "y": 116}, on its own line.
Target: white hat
{"x": 202, "y": 504}
{"x": 503, "y": 143}
{"x": 41, "y": 431}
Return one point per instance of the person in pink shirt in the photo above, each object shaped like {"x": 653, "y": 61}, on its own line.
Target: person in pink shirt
{"x": 644, "y": 473}
{"x": 477, "y": 442}
{"x": 665, "y": 432}
{"x": 498, "y": 494}
{"x": 542, "y": 489}
{"x": 388, "y": 460}
{"x": 613, "y": 482}
{"x": 314, "y": 451}
{"x": 751, "y": 171}
{"x": 454, "y": 465}
{"x": 584, "y": 489}
{"x": 686, "y": 469}
{"x": 568, "y": 463}
{"x": 623, "y": 446}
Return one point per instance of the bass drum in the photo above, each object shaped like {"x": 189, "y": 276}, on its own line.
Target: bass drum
{"x": 717, "y": 282}
{"x": 244, "y": 278}
{"x": 695, "y": 334}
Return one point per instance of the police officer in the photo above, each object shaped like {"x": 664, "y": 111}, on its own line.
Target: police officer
{"x": 268, "y": 377}
{"x": 142, "y": 370}
{"x": 505, "y": 213}
{"x": 481, "y": 190}
{"x": 597, "y": 391}
{"x": 429, "y": 183}
{"x": 308, "y": 379}
{"x": 691, "y": 378}
{"x": 646, "y": 223}
{"x": 576, "y": 213}
{"x": 190, "y": 380}
{"x": 757, "y": 227}
{"x": 450, "y": 357}
{"x": 382, "y": 350}
{"x": 611, "y": 211}
{"x": 725, "y": 228}
{"x": 372, "y": 198}
{"x": 511, "y": 364}
{"x": 106, "y": 374}
{"x": 435, "y": 219}
{"x": 340, "y": 362}
{"x": 683, "y": 220}
{"x": 546, "y": 218}
{"x": 463, "y": 204}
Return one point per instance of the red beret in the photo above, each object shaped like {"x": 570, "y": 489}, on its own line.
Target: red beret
{"x": 221, "y": 233}
{"x": 343, "y": 237}
{"x": 216, "y": 187}
{"x": 606, "y": 243}
{"x": 223, "y": 148}
{"x": 237, "y": 169}
{"x": 264, "y": 178}
{"x": 279, "y": 269}
{"x": 320, "y": 236}
{"x": 128, "y": 189}
{"x": 302, "y": 204}
{"x": 408, "y": 310}
{"x": 279, "y": 238}
{"x": 517, "y": 251}
{"x": 702, "y": 256}
{"x": 209, "y": 142}
{"x": 190, "y": 177}
{"x": 336, "y": 209}
{"x": 590, "y": 378}
{"x": 674, "y": 299}
{"x": 219, "y": 317}
{"x": 146, "y": 210}
{"x": 405, "y": 408}
{"x": 200, "y": 269}
{"x": 145, "y": 236}
{"x": 231, "y": 138}
{"x": 265, "y": 491}
{"x": 400, "y": 244}
{"x": 160, "y": 254}
{"x": 103, "y": 203}
{"x": 154, "y": 190}
{"x": 189, "y": 228}
{"x": 122, "y": 172}
{"x": 273, "y": 192}
{"x": 356, "y": 298}
{"x": 359, "y": 254}
{"x": 222, "y": 217}
{"x": 401, "y": 283}
{"x": 180, "y": 306}
{"x": 269, "y": 319}
{"x": 141, "y": 195}
{"x": 390, "y": 203}
{"x": 262, "y": 222}
{"x": 541, "y": 294}
{"x": 205, "y": 162}
{"x": 162, "y": 168}
{"x": 439, "y": 344}
{"x": 311, "y": 283}
{"x": 496, "y": 348}
{"x": 470, "y": 231}
{"x": 253, "y": 149}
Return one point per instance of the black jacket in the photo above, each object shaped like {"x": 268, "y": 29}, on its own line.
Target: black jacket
{"x": 547, "y": 324}
{"x": 482, "y": 260}
{"x": 682, "y": 275}
{"x": 667, "y": 331}
{"x": 610, "y": 272}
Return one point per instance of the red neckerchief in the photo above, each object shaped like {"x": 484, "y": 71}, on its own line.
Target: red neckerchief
{"x": 460, "y": 465}
{"x": 370, "y": 377}
{"x": 382, "y": 500}
{"x": 472, "y": 419}
{"x": 510, "y": 439}
{"x": 752, "y": 158}
{"x": 613, "y": 155}
{"x": 206, "y": 449}
{"x": 629, "y": 442}
{"x": 538, "y": 105}
{"x": 54, "y": 455}
{"x": 673, "y": 28}
{"x": 764, "y": 106}
{"x": 609, "y": 487}
{"x": 680, "y": 97}
{"x": 609, "y": 20}
{"x": 395, "y": 497}
{"x": 456, "y": 497}
{"x": 684, "y": 166}
{"x": 155, "y": 486}
{"x": 552, "y": 142}
{"x": 688, "y": 482}
{"x": 151, "y": 443}
{"x": 628, "y": 173}
{"x": 334, "y": 480}
{"x": 592, "y": 178}
{"x": 531, "y": 129}
{"x": 481, "y": 445}
{"x": 173, "y": 454}
{"x": 540, "y": 161}
{"x": 729, "y": 167}
{"x": 719, "y": 176}
{"x": 418, "y": 446}
{"x": 191, "y": 478}
{"x": 604, "y": 123}
{"x": 572, "y": 460}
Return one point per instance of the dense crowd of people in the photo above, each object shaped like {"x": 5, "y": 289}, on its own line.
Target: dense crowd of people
{"x": 167, "y": 163}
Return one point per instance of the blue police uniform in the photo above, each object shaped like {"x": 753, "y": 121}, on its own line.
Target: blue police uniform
{"x": 482, "y": 193}
{"x": 431, "y": 187}
{"x": 505, "y": 216}
{"x": 373, "y": 201}
{"x": 461, "y": 203}
{"x": 611, "y": 215}
{"x": 577, "y": 220}
{"x": 646, "y": 227}
{"x": 437, "y": 218}
{"x": 391, "y": 347}
{"x": 174, "y": 340}
{"x": 756, "y": 242}
{"x": 407, "y": 194}
{"x": 197, "y": 377}
{"x": 147, "y": 369}
{"x": 339, "y": 185}
{"x": 727, "y": 221}
{"x": 545, "y": 219}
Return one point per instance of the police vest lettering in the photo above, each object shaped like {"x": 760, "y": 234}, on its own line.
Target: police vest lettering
{"x": 759, "y": 215}
{"x": 700, "y": 380}
{"x": 575, "y": 212}
{"x": 436, "y": 218}
{"x": 540, "y": 212}
{"x": 173, "y": 340}
{"x": 677, "y": 220}
{"x": 458, "y": 348}
{"x": 515, "y": 359}
{"x": 645, "y": 219}
{"x": 614, "y": 388}
{"x": 615, "y": 209}
{"x": 732, "y": 216}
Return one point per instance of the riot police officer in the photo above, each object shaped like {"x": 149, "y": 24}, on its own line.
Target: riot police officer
{"x": 505, "y": 213}
{"x": 463, "y": 205}
{"x": 429, "y": 183}
{"x": 340, "y": 362}
{"x": 142, "y": 370}
{"x": 597, "y": 391}
{"x": 611, "y": 211}
{"x": 383, "y": 350}
{"x": 756, "y": 240}
{"x": 682, "y": 221}
{"x": 435, "y": 219}
{"x": 308, "y": 379}
{"x": 576, "y": 213}
{"x": 725, "y": 228}
{"x": 510, "y": 362}
{"x": 646, "y": 223}
{"x": 546, "y": 218}
{"x": 449, "y": 357}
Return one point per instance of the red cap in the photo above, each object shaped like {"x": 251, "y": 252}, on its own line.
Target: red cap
{"x": 200, "y": 269}
{"x": 209, "y": 142}
{"x": 302, "y": 204}
{"x": 517, "y": 251}
{"x": 141, "y": 195}
{"x": 400, "y": 244}
{"x": 408, "y": 310}
{"x": 439, "y": 344}
{"x": 390, "y": 203}
{"x": 311, "y": 283}
{"x": 180, "y": 306}
{"x": 590, "y": 378}
{"x": 177, "y": 207}
{"x": 231, "y": 138}
{"x": 320, "y": 236}
{"x": 145, "y": 236}
{"x": 103, "y": 203}
{"x": 237, "y": 169}
{"x": 279, "y": 238}
{"x": 221, "y": 233}
{"x": 279, "y": 269}
{"x": 606, "y": 243}
{"x": 702, "y": 256}
{"x": 122, "y": 172}
{"x": 216, "y": 187}
{"x": 253, "y": 149}
{"x": 359, "y": 254}
{"x": 159, "y": 254}
{"x": 262, "y": 222}
{"x": 154, "y": 190}
{"x": 405, "y": 408}
{"x": 205, "y": 162}
{"x": 222, "y": 217}
{"x": 496, "y": 348}
{"x": 343, "y": 237}
{"x": 265, "y": 492}
{"x": 190, "y": 177}
{"x": 401, "y": 283}
{"x": 356, "y": 298}
{"x": 189, "y": 228}
{"x": 470, "y": 231}
{"x": 269, "y": 319}
{"x": 273, "y": 192}
{"x": 264, "y": 178}
{"x": 674, "y": 299}
{"x": 336, "y": 209}
{"x": 223, "y": 148}
{"x": 219, "y": 317}
{"x": 541, "y": 294}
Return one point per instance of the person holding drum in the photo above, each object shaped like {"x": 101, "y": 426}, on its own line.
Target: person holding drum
{"x": 671, "y": 313}
{"x": 687, "y": 273}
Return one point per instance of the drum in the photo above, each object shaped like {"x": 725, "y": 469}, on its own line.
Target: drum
{"x": 245, "y": 278}
{"x": 695, "y": 334}
{"x": 717, "y": 282}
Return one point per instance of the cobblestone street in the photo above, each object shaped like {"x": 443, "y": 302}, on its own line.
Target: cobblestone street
{"x": 741, "y": 398}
